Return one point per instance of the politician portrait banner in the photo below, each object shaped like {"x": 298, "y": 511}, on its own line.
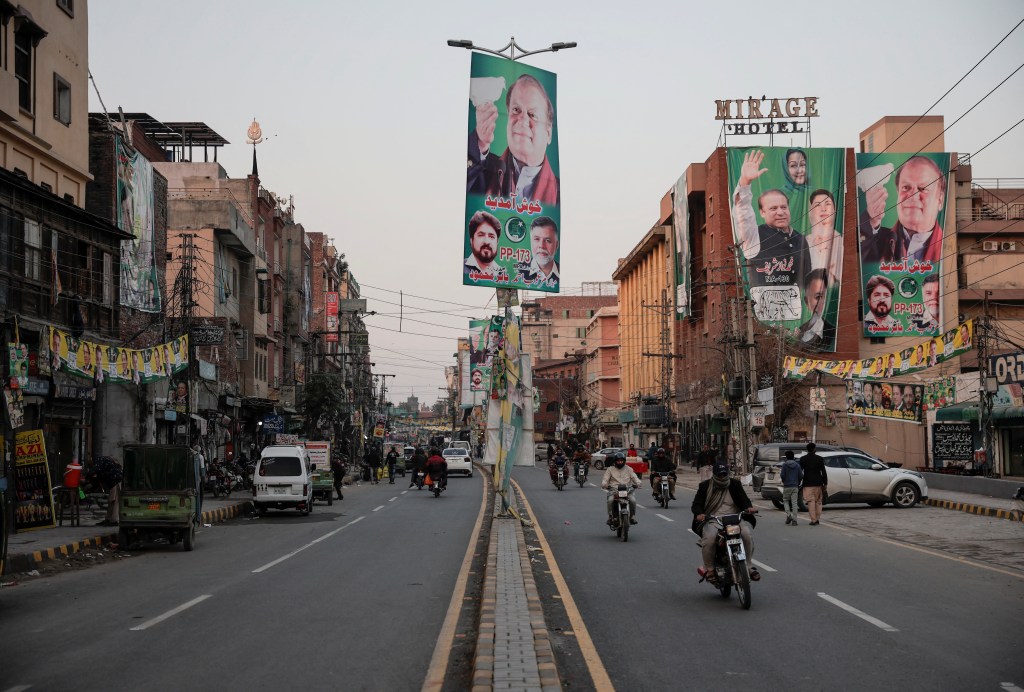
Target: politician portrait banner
{"x": 136, "y": 214}
{"x": 892, "y": 400}
{"x": 681, "y": 229}
{"x": 513, "y": 221}
{"x": 104, "y": 363}
{"x": 787, "y": 220}
{"x": 901, "y": 203}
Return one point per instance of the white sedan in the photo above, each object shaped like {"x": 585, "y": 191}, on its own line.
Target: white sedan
{"x": 458, "y": 461}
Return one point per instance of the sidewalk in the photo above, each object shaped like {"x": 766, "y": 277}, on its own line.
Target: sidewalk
{"x": 27, "y": 550}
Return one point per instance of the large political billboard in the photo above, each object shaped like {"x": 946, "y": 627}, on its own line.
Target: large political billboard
{"x": 901, "y": 202}
{"x": 512, "y": 232}
{"x": 787, "y": 221}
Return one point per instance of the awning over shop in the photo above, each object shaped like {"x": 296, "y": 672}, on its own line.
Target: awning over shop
{"x": 969, "y": 411}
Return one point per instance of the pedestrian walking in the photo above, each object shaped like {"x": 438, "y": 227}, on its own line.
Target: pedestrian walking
{"x": 705, "y": 460}
{"x": 791, "y": 475}
{"x": 815, "y": 483}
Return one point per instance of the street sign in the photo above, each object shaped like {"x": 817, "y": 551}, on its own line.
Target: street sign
{"x": 1007, "y": 368}
{"x": 359, "y": 339}
{"x": 352, "y": 305}
{"x": 206, "y": 335}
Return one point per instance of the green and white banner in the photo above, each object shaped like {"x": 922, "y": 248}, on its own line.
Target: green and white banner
{"x": 901, "y": 201}
{"x": 681, "y": 248}
{"x": 513, "y": 219}
{"x": 787, "y": 220}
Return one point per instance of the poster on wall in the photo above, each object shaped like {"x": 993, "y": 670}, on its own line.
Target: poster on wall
{"x": 513, "y": 219}
{"x": 787, "y": 221}
{"x": 892, "y": 400}
{"x": 18, "y": 364}
{"x": 901, "y": 202}
{"x": 140, "y": 281}
{"x": 33, "y": 507}
{"x": 681, "y": 230}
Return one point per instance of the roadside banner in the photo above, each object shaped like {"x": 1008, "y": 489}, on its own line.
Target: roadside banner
{"x": 787, "y": 220}
{"x": 920, "y": 356}
{"x": 103, "y": 363}
{"x": 891, "y": 400}
{"x": 681, "y": 247}
{"x": 901, "y": 201}
{"x": 333, "y": 325}
{"x": 33, "y": 507}
{"x": 511, "y": 398}
{"x": 136, "y": 214}
{"x": 513, "y": 219}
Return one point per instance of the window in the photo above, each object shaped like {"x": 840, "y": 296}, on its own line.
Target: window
{"x": 234, "y": 281}
{"x": 61, "y": 99}
{"x": 33, "y": 251}
{"x": 68, "y": 6}
{"x": 565, "y": 314}
{"x": 23, "y": 69}
{"x": 263, "y": 295}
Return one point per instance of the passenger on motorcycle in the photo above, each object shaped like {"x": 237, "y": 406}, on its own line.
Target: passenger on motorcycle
{"x": 557, "y": 462}
{"x": 722, "y": 495}
{"x": 437, "y": 468}
{"x": 662, "y": 464}
{"x": 581, "y": 458}
{"x": 418, "y": 461}
{"x": 616, "y": 475}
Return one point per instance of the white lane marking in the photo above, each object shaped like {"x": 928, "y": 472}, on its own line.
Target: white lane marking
{"x": 859, "y": 613}
{"x": 311, "y": 543}
{"x": 664, "y": 517}
{"x": 393, "y": 499}
{"x": 170, "y": 613}
{"x": 1010, "y": 687}
{"x": 379, "y": 508}
{"x": 18, "y": 688}
{"x": 763, "y": 566}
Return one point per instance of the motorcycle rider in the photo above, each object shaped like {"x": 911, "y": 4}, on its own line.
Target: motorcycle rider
{"x": 718, "y": 496}
{"x": 559, "y": 461}
{"x": 419, "y": 461}
{"x": 437, "y": 468}
{"x": 619, "y": 474}
{"x": 581, "y": 458}
{"x": 662, "y": 464}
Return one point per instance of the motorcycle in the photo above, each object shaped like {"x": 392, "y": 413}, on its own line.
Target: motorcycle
{"x": 437, "y": 488}
{"x": 621, "y": 511}
{"x": 581, "y": 474}
{"x": 420, "y": 479}
{"x": 559, "y": 477}
{"x": 663, "y": 486}
{"x": 218, "y": 481}
{"x": 730, "y": 559}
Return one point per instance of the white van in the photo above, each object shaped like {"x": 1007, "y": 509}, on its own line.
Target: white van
{"x": 283, "y": 479}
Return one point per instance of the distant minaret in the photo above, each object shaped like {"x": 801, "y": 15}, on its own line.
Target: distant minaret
{"x": 254, "y": 137}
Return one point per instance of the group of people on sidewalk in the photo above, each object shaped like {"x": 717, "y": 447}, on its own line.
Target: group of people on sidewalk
{"x": 808, "y": 475}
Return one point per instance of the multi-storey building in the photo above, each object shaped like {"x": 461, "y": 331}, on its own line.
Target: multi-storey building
{"x": 601, "y": 375}
{"x": 556, "y": 325}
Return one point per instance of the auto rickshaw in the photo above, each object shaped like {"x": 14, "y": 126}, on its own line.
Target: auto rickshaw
{"x": 159, "y": 494}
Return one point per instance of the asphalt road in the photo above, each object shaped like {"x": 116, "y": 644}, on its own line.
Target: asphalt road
{"x": 917, "y": 599}
{"x": 352, "y": 597}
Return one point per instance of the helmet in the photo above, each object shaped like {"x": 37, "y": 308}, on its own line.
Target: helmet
{"x": 661, "y": 450}
{"x": 617, "y": 458}
{"x": 434, "y": 452}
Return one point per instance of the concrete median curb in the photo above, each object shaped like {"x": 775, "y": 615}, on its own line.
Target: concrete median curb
{"x": 980, "y": 510}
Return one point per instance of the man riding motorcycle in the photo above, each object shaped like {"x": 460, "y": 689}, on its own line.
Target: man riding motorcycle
{"x": 722, "y": 495}
{"x": 662, "y": 464}
{"x": 581, "y": 458}
{"x": 619, "y": 474}
{"x": 559, "y": 461}
{"x": 437, "y": 468}
{"x": 419, "y": 462}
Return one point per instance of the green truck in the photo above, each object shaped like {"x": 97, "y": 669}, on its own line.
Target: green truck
{"x": 319, "y": 453}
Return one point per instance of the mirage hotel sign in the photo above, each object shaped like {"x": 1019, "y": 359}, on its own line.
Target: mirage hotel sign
{"x": 776, "y": 116}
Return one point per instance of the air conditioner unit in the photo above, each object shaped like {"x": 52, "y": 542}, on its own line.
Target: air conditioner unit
{"x": 990, "y": 246}
{"x": 1008, "y": 246}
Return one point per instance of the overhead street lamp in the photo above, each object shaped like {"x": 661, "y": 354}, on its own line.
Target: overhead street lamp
{"x": 511, "y": 47}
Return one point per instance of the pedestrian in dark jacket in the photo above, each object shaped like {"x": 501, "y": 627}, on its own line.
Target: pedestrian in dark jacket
{"x": 815, "y": 483}
{"x": 791, "y": 475}
{"x": 338, "y": 467}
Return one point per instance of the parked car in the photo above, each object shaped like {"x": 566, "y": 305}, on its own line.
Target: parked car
{"x": 772, "y": 454}
{"x": 854, "y": 477}
{"x": 599, "y": 459}
{"x": 458, "y": 461}
{"x": 283, "y": 479}
{"x": 540, "y": 451}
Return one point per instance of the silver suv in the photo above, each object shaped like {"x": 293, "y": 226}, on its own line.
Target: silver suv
{"x": 855, "y": 477}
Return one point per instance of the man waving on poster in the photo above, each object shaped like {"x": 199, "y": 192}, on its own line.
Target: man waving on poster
{"x": 778, "y": 254}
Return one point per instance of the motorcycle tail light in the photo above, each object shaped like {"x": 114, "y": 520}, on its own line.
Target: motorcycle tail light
{"x": 732, "y": 530}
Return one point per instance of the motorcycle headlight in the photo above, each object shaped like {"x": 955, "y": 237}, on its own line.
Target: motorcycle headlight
{"x": 732, "y": 530}
{"x": 623, "y": 493}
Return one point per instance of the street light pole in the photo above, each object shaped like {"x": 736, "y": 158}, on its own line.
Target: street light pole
{"x": 511, "y": 47}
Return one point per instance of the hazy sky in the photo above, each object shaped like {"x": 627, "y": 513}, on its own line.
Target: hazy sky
{"x": 365, "y": 111}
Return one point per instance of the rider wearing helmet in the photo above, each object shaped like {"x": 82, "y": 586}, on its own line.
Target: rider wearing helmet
{"x": 661, "y": 463}
{"x": 619, "y": 474}
{"x": 558, "y": 461}
{"x": 581, "y": 458}
{"x": 722, "y": 495}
